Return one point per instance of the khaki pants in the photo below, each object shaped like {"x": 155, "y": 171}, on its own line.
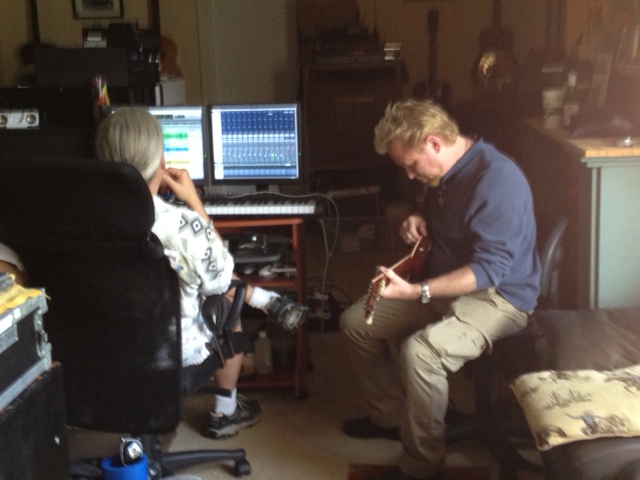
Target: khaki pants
{"x": 430, "y": 340}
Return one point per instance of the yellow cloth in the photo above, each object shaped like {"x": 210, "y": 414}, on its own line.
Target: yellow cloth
{"x": 16, "y": 296}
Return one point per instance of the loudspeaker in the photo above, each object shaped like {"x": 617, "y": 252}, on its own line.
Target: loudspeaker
{"x": 33, "y": 431}
{"x": 20, "y": 118}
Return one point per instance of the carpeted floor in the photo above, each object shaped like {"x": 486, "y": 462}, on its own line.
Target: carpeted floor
{"x": 301, "y": 439}
{"x": 367, "y": 472}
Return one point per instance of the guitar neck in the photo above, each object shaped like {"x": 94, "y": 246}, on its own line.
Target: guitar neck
{"x": 412, "y": 263}
{"x": 35, "y": 25}
{"x": 433, "y": 20}
{"x": 155, "y": 19}
{"x": 496, "y": 14}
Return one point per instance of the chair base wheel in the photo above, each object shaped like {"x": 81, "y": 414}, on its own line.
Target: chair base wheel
{"x": 242, "y": 468}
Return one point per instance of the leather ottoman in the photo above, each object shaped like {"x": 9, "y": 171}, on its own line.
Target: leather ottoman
{"x": 602, "y": 340}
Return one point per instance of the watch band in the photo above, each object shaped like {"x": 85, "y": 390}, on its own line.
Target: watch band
{"x": 425, "y": 295}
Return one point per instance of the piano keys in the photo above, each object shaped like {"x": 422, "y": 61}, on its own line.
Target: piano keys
{"x": 260, "y": 205}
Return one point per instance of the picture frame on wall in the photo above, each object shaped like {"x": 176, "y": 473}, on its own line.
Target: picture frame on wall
{"x": 97, "y": 9}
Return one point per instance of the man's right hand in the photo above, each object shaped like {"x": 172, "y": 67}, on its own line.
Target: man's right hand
{"x": 413, "y": 228}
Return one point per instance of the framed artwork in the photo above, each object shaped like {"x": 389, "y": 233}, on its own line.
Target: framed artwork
{"x": 600, "y": 79}
{"x": 97, "y": 9}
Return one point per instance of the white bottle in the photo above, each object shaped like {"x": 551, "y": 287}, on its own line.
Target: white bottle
{"x": 263, "y": 355}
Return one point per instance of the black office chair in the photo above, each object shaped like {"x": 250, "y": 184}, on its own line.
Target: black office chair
{"x": 551, "y": 259}
{"x": 83, "y": 230}
{"x": 488, "y": 423}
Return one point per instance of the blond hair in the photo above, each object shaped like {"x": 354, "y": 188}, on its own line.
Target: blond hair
{"x": 131, "y": 135}
{"x": 410, "y": 121}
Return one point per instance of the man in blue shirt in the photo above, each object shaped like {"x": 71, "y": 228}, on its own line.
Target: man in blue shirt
{"x": 480, "y": 283}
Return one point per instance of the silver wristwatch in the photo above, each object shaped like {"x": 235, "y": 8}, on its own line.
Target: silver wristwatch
{"x": 425, "y": 295}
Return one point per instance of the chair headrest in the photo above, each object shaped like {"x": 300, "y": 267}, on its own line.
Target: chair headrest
{"x": 78, "y": 199}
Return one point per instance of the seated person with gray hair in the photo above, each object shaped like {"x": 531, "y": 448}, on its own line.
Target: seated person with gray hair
{"x": 196, "y": 252}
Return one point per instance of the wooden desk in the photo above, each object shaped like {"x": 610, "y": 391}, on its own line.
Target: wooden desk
{"x": 597, "y": 185}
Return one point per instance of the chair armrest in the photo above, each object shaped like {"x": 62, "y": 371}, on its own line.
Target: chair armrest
{"x": 236, "y": 305}
{"x": 217, "y": 316}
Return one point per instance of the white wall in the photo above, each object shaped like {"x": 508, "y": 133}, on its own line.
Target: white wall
{"x": 254, "y": 51}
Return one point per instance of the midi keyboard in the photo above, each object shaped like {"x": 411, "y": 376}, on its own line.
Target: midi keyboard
{"x": 268, "y": 204}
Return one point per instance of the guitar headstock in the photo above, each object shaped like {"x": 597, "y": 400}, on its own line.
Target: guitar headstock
{"x": 375, "y": 289}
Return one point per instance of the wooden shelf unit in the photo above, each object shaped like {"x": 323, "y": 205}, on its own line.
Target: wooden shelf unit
{"x": 293, "y": 226}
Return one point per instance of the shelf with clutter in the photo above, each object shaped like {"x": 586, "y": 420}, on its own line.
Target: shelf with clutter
{"x": 274, "y": 242}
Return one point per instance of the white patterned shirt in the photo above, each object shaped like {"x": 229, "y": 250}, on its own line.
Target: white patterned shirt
{"x": 204, "y": 267}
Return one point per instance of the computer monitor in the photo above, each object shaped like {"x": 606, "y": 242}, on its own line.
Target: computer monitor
{"x": 186, "y": 144}
{"x": 255, "y": 146}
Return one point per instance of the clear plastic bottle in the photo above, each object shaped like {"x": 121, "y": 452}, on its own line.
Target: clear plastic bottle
{"x": 263, "y": 355}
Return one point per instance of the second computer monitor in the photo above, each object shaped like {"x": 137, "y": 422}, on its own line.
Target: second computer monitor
{"x": 256, "y": 145}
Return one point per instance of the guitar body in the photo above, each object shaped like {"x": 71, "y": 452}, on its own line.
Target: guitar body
{"x": 410, "y": 266}
{"x": 494, "y": 68}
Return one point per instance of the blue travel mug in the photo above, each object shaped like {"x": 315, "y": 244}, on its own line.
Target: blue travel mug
{"x": 112, "y": 469}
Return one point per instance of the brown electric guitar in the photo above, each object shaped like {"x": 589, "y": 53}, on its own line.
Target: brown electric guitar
{"x": 412, "y": 264}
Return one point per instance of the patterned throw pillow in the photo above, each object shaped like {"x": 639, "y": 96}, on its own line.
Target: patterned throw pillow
{"x": 566, "y": 406}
